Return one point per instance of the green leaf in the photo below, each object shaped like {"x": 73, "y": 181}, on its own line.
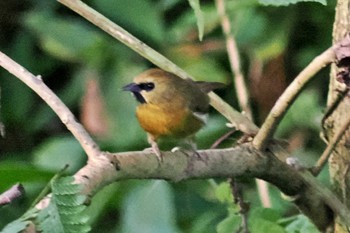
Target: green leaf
{"x": 54, "y": 153}
{"x": 65, "y": 213}
{"x": 16, "y": 226}
{"x": 204, "y": 223}
{"x": 199, "y": 16}
{"x": 258, "y": 225}
{"x": 21, "y": 223}
{"x": 229, "y": 224}
{"x": 263, "y": 220}
{"x": 265, "y": 213}
{"x": 224, "y": 193}
{"x": 139, "y": 17}
{"x": 288, "y": 2}
{"x": 64, "y": 38}
{"x": 12, "y": 172}
{"x": 150, "y": 209}
{"x": 310, "y": 119}
{"x": 301, "y": 224}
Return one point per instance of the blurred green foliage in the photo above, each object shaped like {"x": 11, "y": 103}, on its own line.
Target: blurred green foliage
{"x": 50, "y": 40}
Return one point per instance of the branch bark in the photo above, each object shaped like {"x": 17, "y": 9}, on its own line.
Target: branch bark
{"x": 339, "y": 161}
{"x": 311, "y": 197}
{"x": 11, "y": 194}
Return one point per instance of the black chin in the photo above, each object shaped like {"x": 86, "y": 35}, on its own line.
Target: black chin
{"x": 139, "y": 97}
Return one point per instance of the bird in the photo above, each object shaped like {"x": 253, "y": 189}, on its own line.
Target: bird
{"x": 170, "y": 106}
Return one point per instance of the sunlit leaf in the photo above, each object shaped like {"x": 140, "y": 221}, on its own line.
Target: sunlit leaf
{"x": 224, "y": 193}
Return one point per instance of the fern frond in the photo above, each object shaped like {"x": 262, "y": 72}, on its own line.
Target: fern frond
{"x": 65, "y": 213}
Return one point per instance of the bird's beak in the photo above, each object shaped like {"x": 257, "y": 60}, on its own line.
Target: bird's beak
{"x": 133, "y": 87}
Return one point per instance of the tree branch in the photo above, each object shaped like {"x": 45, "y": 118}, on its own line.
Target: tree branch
{"x": 236, "y": 118}
{"x": 289, "y": 95}
{"x": 66, "y": 116}
{"x": 240, "y": 86}
{"x": 11, "y": 194}
{"x": 103, "y": 168}
{"x": 233, "y": 55}
{"x": 329, "y": 149}
{"x": 312, "y": 198}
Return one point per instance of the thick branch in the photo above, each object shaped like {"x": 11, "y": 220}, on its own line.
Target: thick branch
{"x": 312, "y": 198}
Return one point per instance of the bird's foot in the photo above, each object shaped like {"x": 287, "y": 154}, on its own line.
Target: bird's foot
{"x": 155, "y": 151}
{"x": 187, "y": 152}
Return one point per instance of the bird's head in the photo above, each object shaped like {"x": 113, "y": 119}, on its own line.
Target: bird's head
{"x": 152, "y": 86}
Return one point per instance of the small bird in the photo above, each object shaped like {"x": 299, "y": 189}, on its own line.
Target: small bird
{"x": 170, "y": 106}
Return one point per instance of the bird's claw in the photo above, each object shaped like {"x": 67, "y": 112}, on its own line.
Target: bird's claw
{"x": 187, "y": 152}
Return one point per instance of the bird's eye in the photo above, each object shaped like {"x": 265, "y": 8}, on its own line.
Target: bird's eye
{"x": 146, "y": 86}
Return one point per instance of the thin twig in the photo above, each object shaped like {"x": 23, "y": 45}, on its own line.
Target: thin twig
{"x": 233, "y": 55}
{"x": 289, "y": 95}
{"x": 11, "y": 194}
{"x": 222, "y": 138}
{"x": 330, "y": 109}
{"x": 48, "y": 186}
{"x": 240, "y": 86}
{"x": 241, "y": 122}
{"x": 2, "y": 126}
{"x": 244, "y": 206}
{"x": 65, "y": 115}
{"x": 329, "y": 149}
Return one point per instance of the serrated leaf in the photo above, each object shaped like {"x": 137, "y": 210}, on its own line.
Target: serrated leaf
{"x": 21, "y": 223}
{"x": 65, "y": 212}
{"x": 199, "y": 16}
{"x": 288, "y": 2}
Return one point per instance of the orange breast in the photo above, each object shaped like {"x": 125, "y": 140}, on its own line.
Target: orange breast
{"x": 159, "y": 122}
